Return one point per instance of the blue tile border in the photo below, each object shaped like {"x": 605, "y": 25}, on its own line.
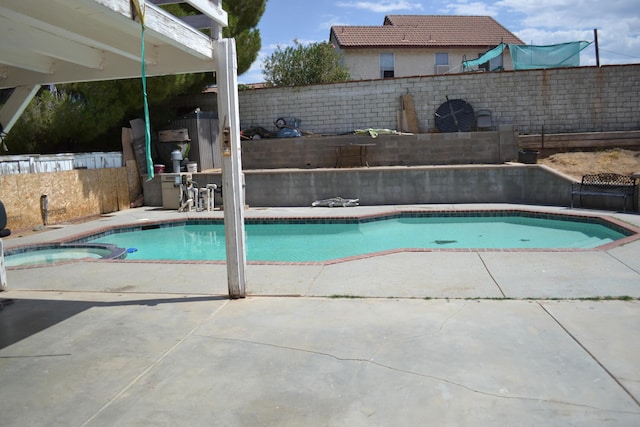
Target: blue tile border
{"x": 366, "y": 219}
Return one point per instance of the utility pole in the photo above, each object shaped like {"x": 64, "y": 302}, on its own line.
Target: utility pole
{"x": 595, "y": 42}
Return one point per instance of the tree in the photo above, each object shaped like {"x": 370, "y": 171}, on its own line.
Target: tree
{"x": 243, "y": 18}
{"x": 303, "y": 65}
{"x": 37, "y": 122}
{"x": 89, "y": 116}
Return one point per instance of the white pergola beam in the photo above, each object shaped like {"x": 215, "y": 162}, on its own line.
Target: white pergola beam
{"x": 15, "y": 105}
{"x": 212, "y": 9}
{"x": 26, "y": 60}
{"x": 197, "y": 21}
{"x": 94, "y": 24}
{"x": 200, "y": 21}
{"x": 90, "y": 40}
{"x": 178, "y": 33}
{"x": 45, "y": 43}
{"x": 67, "y": 28}
{"x": 116, "y": 68}
{"x": 165, "y": 26}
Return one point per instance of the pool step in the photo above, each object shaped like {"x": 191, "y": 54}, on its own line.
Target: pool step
{"x": 592, "y": 242}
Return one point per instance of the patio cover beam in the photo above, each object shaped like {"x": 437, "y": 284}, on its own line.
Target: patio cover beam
{"x": 15, "y": 105}
{"x": 232, "y": 178}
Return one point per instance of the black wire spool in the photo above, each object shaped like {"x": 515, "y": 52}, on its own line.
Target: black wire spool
{"x": 455, "y": 115}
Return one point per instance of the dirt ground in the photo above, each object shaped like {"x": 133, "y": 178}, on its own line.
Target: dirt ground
{"x": 576, "y": 164}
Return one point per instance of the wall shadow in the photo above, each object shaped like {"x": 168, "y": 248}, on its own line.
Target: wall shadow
{"x": 21, "y": 318}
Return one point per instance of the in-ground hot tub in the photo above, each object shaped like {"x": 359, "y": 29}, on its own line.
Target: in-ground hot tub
{"x": 59, "y": 253}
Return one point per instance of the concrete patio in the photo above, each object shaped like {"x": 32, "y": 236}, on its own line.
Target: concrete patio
{"x": 429, "y": 338}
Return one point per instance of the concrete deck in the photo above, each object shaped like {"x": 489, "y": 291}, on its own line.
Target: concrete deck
{"x": 430, "y": 338}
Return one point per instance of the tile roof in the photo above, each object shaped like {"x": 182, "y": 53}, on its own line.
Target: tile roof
{"x": 425, "y": 31}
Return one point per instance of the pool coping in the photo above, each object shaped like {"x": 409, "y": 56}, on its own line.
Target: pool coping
{"x": 118, "y": 254}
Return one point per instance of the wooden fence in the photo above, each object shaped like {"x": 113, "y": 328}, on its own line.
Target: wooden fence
{"x": 588, "y": 140}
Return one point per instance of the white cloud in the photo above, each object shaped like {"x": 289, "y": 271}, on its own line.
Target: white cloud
{"x": 562, "y": 13}
{"x": 545, "y": 37}
{"x": 332, "y": 21}
{"x": 382, "y": 6}
{"x": 473, "y": 8}
{"x": 253, "y": 75}
{"x": 267, "y": 50}
{"x": 557, "y": 21}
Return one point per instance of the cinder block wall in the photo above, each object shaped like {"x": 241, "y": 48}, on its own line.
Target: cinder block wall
{"x": 429, "y": 184}
{"x": 488, "y": 147}
{"x": 515, "y": 183}
{"x": 580, "y": 99}
{"x": 510, "y": 183}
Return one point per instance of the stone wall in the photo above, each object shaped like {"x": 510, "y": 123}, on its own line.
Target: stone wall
{"x": 580, "y": 99}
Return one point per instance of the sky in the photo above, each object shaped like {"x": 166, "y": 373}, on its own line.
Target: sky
{"x": 538, "y": 22}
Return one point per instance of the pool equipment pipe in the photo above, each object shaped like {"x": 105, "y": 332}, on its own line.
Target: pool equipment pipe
{"x": 188, "y": 194}
{"x": 176, "y": 157}
{"x": 206, "y": 197}
{"x": 193, "y": 198}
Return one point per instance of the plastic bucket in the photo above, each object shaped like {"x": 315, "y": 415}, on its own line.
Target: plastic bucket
{"x": 158, "y": 168}
{"x": 192, "y": 167}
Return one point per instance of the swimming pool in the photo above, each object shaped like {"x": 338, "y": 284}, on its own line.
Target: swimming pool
{"x": 317, "y": 240}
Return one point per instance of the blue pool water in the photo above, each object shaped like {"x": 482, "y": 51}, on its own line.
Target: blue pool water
{"x": 322, "y": 241}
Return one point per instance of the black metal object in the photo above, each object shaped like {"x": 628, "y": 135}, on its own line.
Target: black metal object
{"x": 455, "y": 115}
{"x": 605, "y": 184}
{"x": 4, "y": 231}
{"x": 528, "y": 157}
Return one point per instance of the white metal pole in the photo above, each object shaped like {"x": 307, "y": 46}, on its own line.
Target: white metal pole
{"x": 232, "y": 182}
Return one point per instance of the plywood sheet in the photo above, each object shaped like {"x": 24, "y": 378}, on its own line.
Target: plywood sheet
{"x": 409, "y": 112}
{"x": 70, "y": 195}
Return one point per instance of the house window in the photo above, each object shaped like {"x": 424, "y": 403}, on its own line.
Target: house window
{"x": 386, "y": 65}
{"x": 442, "y": 59}
{"x": 442, "y": 63}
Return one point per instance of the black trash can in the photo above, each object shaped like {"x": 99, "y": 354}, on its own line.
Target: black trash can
{"x": 528, "y": 157}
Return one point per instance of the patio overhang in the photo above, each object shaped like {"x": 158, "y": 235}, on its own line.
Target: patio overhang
{"x": 62, "y": 41}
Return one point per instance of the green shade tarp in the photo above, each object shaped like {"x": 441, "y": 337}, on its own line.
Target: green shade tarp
{"x": 529, "y": 57}
{"x": 487, "y": 56}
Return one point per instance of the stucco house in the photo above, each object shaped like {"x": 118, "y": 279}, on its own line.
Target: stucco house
{"x": 412, "y": 45}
